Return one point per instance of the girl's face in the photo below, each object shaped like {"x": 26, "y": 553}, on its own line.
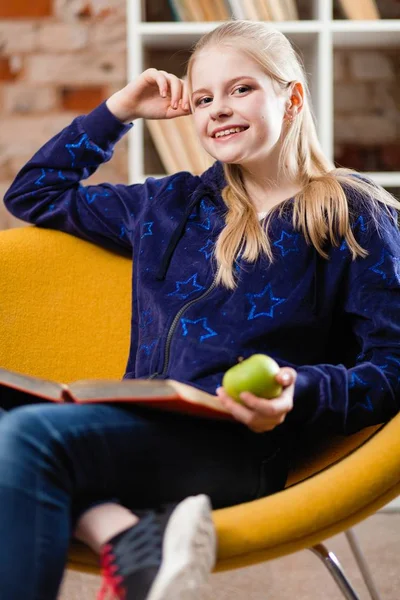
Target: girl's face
{"x": 230, "y": 90}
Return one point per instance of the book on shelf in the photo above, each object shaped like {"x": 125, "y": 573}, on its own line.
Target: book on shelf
{"x": 237, "y": 9}
{"x": 178, "y": 145}
{"x": 174, "y": 150}
{"x": 194, "y": 158}
{"x": 252, "y": 10}
{"x": 291, "y": 10}
{"x": 18, "y": 389}
{"x": 224, "y": 10}
{"x": 179, "y": 10}
{"x": 277, "y": 10}
{"x": 209, "y": 9}
{"x": 216, "y": 10}
{"x": 363, "y": 10}
{"x": 199, "y": 10}
{"x": 262, "y": 10}
{"x": 195, "y": 9}
{"x": 163, "y": 145}
{"x": 176, "y": 129}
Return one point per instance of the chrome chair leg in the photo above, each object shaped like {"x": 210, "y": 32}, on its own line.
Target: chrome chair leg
{"x": 362, "y": 564}
{"x": 335, "y": 569}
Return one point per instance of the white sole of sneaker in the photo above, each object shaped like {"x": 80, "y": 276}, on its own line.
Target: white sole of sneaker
{"x": 189, "y": 551}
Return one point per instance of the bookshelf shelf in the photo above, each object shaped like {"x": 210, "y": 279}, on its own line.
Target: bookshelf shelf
{"x": 198, "y": 28}
{"x": 182, "y": 35}
{"x": 165, "y": 44}
{"x": 366, "y": 33}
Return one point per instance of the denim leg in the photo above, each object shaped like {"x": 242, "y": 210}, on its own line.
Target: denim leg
{"x": 55, "y": 460}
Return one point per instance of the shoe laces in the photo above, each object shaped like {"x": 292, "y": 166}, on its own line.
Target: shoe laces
{"x": 112, "y": 583}
{"x": 137, "y": 548}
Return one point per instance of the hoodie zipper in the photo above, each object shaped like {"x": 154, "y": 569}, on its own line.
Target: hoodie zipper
{"x": 174, "y": 324}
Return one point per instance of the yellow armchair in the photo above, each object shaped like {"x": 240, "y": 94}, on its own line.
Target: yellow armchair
{"x": 65, "y": 315}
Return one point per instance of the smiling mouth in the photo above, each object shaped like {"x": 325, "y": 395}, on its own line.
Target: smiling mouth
{"x": 230, "y": 132}
{"x": 228, "y": 136}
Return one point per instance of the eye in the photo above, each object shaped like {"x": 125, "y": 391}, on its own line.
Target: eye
{"x": 200, "y": 101}
{"x": 246, "y": 88}
{"x": 208, "y": 99}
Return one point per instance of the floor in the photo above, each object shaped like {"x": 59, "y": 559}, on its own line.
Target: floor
{"x": 300, "y": 576}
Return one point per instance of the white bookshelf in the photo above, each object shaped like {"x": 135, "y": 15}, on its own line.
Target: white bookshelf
{"x": 316, "y": 39}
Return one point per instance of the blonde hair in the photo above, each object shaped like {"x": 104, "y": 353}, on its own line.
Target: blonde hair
{"x": 320, "y": 210}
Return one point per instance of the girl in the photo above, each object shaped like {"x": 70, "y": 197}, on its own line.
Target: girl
{"x": 270, "y": 250}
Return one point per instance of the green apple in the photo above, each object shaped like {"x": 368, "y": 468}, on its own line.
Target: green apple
{"x": 256, "y": 375}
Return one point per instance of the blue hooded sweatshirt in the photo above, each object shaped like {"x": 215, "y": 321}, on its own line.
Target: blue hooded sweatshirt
{"x": 336, "y": 321}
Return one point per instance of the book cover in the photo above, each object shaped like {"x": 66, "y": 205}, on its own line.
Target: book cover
{"x": 167, "y": 394}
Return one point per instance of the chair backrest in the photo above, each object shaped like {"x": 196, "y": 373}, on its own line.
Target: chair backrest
{"x": 65, "y": 306}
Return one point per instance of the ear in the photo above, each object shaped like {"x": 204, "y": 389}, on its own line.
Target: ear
{"x": 295, "y": 100}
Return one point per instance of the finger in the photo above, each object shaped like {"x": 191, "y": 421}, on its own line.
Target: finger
{"x": 264, "y": 417}
{"x": 185, "y": 96}
{"x": 158, "y": 77}
{"x": 258, "y": 426}
{"x": 272, "y": 408}
{"x": 164, "y": 78}
{"x": 162, "y": 83}
{"x": 240, "y": 412}
{"x": 175, "y": 89}
{"x": 286, "y": 376}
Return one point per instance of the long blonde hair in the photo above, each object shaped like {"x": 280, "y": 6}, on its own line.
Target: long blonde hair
{"x": 320, "y": 209}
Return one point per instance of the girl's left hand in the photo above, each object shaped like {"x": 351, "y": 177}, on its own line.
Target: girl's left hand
{"x": 261, "y": 414}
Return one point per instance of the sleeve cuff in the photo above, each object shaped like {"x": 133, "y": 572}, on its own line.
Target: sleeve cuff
{"x": 305, "y": 404}
{"x": 103, "y": 128}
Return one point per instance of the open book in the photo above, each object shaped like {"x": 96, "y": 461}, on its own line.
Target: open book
{"x": 17, "y": 389}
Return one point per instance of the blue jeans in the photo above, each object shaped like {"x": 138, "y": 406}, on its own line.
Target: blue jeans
{"x": 58, "y": 460}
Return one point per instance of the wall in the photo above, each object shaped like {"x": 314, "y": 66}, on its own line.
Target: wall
{"x": 58, "y": 59}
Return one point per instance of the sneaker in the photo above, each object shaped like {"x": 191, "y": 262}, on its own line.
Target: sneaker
{"x": 167, "y": 555}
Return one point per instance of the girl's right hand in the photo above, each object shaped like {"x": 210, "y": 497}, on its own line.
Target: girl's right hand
{"x": 153, "y": 95}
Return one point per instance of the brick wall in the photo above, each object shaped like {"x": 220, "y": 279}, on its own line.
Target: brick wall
{"x": 60, "y": 58}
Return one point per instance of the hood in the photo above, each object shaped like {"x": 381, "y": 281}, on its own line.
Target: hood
{"x": 212, "y": 182}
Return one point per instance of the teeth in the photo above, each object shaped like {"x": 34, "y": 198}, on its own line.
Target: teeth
{"x": 229, "y": 131}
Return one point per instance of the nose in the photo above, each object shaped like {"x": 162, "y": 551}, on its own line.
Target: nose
{"x": 220, "y": 110}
